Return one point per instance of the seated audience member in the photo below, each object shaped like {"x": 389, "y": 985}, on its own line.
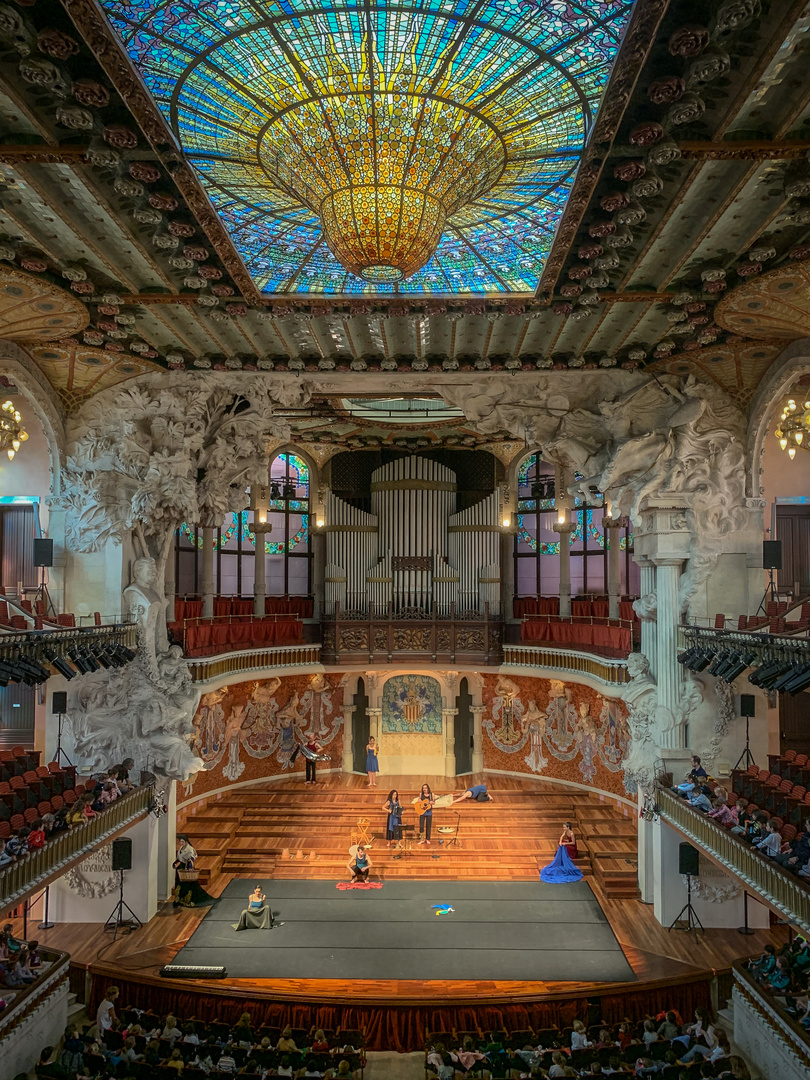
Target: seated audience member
{"x": 75, "y": 815}
{"x": 579, "y": 1039}
{"x": 765, "y": 964}
{"x": 320, "y": 1044}
{"x": 650, "y": 1035}
{"x": 13, "y": 944}
{"x": 72, "y": 1056}
{"x": 669, "y": 1029}
{"x": 743, "y": 817}
{"x": 25, "y": 966}
{"x": 6, "y": 857}
{"x": 171, "y": 1031}
{"x": 286, "y": 1067}
{"x": 342, "y": 1072}
{"x": 129, "y": 1054}
{"x": 771, "y": 843}
{"x": 311, "y": 1068}
{"x": 227, "y": 1062}
{"x": 799, "y": 852}
{"x": 59, "y": 824}
{"x": 36, "y": 838}
{"x": 251, "y": 1067}
{"x": 780, "y": 978}
{"x": 696, "y": 775}
{"x": 720, "y": 1049}
{"x": 286, "y": 1044}
{"x": 190, "y": 1035}
{"x": 175, "y": 1061}
{"x": 48, "y": 1065}
{"x": 557, "y": 1068}
{"x": 120, "y": 773}
{"x": 734, "y": 1068}
{"x": 605, "y": 1039}
{"x": 17, "y": 845}
{"x": 723, "y": 813}
{"x": 699, "y": 799}
{"x": 203, "y": 1060}
{"x": 151, "y": 1054}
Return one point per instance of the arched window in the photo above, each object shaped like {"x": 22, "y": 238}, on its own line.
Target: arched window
{"x": 537, "y": 546}
{"x": 287, "y": 547}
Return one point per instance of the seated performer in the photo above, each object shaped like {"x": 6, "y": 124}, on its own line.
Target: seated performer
{"x": 257, "y": 915}
{"x": 359, "y": 864}
{"x": 561, "y": 869}
{"x": 478, "y": 792}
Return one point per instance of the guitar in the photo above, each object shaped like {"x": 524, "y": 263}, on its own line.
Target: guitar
{"x": 422, "y": 804}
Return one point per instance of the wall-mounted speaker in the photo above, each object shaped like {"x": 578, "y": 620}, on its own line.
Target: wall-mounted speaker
{"x": 43, "y": 552}
{"x": 59, "y": 702}
{"x": 688, "y": 860}
{"x": 122, "y": 854}
{"x": 748, "y": 705}
{"x": 771, "y": 554}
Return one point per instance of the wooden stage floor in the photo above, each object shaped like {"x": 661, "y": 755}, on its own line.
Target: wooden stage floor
{"x": 658, "y": 957}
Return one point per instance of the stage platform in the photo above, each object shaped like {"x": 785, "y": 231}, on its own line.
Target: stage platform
{"x": 498, "y": 930}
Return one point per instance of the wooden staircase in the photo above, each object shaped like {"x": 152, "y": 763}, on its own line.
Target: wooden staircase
{"x": 290, "y": 831}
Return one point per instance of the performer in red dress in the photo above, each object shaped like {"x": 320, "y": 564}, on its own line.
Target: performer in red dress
{"x": 569, "y": 841}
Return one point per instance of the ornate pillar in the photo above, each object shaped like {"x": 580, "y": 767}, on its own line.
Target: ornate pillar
{"x": 374, "y": 722}
{"x": 564, "y": 529}
{"x": 207, "y": 578}
{"x": 646, "y": 607}
{"x": 260, "y": 570}
{"x": 318, "y": 571}
{"x": 669, "y": 672}
{"x": 612, "y": 527}
{"x": 169, "y": 584}
{"x": 449, "y": 729}
{"x": 348, "y": 734}
{"x": 478, "y": 738}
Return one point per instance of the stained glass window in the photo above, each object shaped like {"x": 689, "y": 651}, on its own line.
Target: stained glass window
{"x": 380, "y": 146}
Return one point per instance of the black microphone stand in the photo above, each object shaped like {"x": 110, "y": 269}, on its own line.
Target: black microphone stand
{"x": 455, "y": 839}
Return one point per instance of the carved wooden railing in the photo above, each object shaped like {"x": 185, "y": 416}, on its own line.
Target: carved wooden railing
{"x": 777, "y": 888}
{"x": 769, "y": 1010}
{"x": 567, "y": 661}
{"x": 24, "y": 1000}
{"x": 384, "y": 637}
{"x": 209, "y": 668}
{"x": 41, "y": 867}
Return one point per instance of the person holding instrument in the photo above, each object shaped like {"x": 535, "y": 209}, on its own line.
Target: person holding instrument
{"x": 393, "y": 828}
{"x": 372, "y": 765}
{"x": 425, "y": 802}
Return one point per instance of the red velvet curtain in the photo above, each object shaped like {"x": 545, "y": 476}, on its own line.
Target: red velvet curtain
{"x": 398, "y": 1027}
{"x": 602, "y": 635}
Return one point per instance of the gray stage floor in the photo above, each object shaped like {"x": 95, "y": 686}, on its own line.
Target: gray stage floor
{"x": 499, "y": 930}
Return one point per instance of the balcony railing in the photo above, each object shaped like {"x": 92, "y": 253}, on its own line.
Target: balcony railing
{"x": 775, "y": 887}
{"x": 208, "y": 669}
{"x": 24, "y": 1000}
{"x": 41, "y": 867}
{"x": 565, "y": 660}
{"x": 769, "y": 1011}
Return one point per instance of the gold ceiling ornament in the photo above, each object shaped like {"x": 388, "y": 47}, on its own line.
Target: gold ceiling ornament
{"x": 773, "y": 305}
{"x": 12, "y": 433}
{"x": 793, "y": 429}
{"x": 31, "y": 309}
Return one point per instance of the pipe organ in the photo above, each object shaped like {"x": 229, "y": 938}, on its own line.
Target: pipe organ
{"x": 413, "y": 550}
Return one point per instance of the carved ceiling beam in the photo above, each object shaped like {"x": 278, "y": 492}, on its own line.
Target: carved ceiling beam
{"x": 28, "y": 154}
{"x": 745, "y": 150}
{"x": 303, "y": 304}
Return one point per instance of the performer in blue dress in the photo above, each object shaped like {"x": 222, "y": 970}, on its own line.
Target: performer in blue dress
{"x": 393, "y": 828}
{"x": 562, "y": 870}
{"x": 372, "y": 767}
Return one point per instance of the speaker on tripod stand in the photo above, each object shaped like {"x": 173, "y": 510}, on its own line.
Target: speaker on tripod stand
{"x": 121, "y": 861}
{"x": 688, "y": 867}
{"x": 747, "y": 709}
{"x": 771, "y": 560}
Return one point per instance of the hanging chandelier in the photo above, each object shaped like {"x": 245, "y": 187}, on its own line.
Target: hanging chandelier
{"x": 12, "y": 433}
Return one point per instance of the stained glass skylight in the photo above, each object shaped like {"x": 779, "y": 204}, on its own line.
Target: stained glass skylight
{"x": 377, "y": 146}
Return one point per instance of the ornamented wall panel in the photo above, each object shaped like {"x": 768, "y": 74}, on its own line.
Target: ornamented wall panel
{"x": 250, "y": 730}
{"x": 410, "y": 704}
{"x": 553, "y": 729}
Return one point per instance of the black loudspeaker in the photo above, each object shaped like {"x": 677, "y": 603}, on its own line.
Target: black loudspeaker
{"x": 748, "y": 705}
{"x": 771, "y": 554}
{"x": 688, "y": 860}
{"x": 122, "y": 854}
{"x": 43, "y": 552}
{"x": 59, "y": 702}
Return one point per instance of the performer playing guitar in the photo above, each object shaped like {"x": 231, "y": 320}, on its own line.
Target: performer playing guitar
{"x": 425, "y": 802}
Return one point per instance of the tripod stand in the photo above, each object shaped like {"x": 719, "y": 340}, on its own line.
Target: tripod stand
{"x": 770, "y": 595}
{"x": 746, "y": 758}
{"x": 455, "y": 840}
{"x": 60, "y": 753}
{"x": 116, "y": 918}
{"x": 692, "y": 920}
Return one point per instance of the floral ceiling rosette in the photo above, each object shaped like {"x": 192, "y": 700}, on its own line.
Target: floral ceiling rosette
{"x": 425, "y": 147}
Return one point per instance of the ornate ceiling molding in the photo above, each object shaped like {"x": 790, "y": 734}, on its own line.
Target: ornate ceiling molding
{"x": 638, "y": 41}
{"x": 32, "y": 309}
{"x": 101, "y": 40}
{"x": 773, "y": 305}
{"x": 745, "y": 150}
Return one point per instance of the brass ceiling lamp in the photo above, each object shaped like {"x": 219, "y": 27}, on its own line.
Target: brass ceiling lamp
{"x": 12, "y": 433}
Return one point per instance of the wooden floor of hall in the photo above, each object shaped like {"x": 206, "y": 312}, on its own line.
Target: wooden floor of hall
{"x": 656, "y": 955}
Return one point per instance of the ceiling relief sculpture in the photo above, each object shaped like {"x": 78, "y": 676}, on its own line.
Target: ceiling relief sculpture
{"x": 776, "y": 305}
{"x": 34, "y": 310}
{"x": 364, "y": 148}
{"x": 77, "y": 372}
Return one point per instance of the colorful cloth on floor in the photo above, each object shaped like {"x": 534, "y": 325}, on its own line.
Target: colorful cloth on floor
{"x": 561, "y": 870}
{"x": 344, "y": 885}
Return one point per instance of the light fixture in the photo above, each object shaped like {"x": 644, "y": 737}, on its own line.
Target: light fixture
{"x": 259, "y": 503}
{"x": 794, "y": 421}
{"x": 12, "y": 434}
{"x": 319, "y": 522}
{"x": 507, "y": 521}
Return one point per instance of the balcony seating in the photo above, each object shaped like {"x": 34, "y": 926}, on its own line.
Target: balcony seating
{"x": 39, "y": 785}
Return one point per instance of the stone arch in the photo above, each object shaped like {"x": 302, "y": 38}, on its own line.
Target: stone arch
{"x": 790, "y": 365}
{"x": 18, "y": 367}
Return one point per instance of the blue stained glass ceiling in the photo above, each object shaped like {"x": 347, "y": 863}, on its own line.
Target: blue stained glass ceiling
{"x": 421, "y": 147}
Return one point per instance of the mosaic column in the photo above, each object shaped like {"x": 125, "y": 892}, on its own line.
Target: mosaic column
{"x": 207, "y": 577}
{"x": 449, "y": 730}
{"x": 260, "y": 570}
{"x": 564, "y": 529}
{"x": 612, "y": 527}
{"x": 348, "y": 734}
{"x": 478, "y": 738}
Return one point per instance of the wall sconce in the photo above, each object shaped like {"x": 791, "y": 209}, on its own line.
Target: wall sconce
{"x": 507, "y": 521}
{"x": 259, "y": 503}
{"x": 562, "y": 515}
{"x": 319, "y": 522}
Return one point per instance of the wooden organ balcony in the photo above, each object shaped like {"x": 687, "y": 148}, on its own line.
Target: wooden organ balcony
{"x": 411, "y": 635}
